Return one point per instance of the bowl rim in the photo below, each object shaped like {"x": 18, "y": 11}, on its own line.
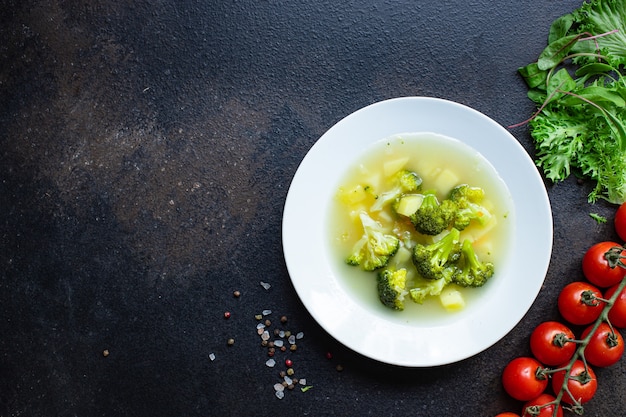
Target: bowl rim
{"x": 324, "y": 297}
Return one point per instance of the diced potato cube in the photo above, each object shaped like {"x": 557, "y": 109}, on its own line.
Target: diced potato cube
{"x": 445, "y": 181}
{"x": 351, "y": 196}
{"x": 384, "y": 217}
{"x": 452, "y": 299}
{"x": 403, "y": 255}
{"x": 395, "y": 165}
{"x": 409, "y": 204}
{"x": 374, "y": 181}
{"x": 476, "y": 231}
{"x": 428, "y": 168}
{"x": 411, "y": 275}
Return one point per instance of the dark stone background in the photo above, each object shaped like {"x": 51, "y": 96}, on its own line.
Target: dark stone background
{"x": 146, "y": 149}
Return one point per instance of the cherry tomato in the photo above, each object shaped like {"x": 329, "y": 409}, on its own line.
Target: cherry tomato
{"x": 605, "y": 347}
{"x": 596, "y": 267}
{"x": 617, "y": 314}
{"x": 582, "y": 383}
{"x": 522, "y": 378}
{"x": 507, "y": 415}
{"x": 539, "y": 404}
{"x": 620, "y": 222}
{"x": 577, "y": 304}
{"x": 551, "y": 343}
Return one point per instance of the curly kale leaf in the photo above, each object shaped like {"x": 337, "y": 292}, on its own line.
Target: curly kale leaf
{"x": 600, "y": 17}
{"x": 581, "y": 138}
{"x": 579, "y": 86}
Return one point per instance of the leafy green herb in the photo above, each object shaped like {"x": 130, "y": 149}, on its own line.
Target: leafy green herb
{"x": 579, "y": 85}
{"x": 597, "y": 217}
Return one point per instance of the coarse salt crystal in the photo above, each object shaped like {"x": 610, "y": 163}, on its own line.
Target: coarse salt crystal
{"x": 292, "y": 339}
{"x": 212, "y": 356}
{"x": 302, "y": 381}
{"x": 265, "y": 285}
{"x": 260, "y": 326}
{"x": 265, "y": 335}
{"x": 288, "y": 380}
{"x": 278, "y": 343}
{"x": 280, "y": 394}
{"x": 267, "y": 312}
{"x": 300, "y": 335}
{"x": 270, "y": 363}
{"x": 279, "y": 387}
{"x": 281, "y": 333}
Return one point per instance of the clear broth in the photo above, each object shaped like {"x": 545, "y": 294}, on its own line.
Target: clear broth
{"x": 429, "y": 155}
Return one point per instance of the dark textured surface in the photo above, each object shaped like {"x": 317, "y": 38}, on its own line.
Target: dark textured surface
{"x": 146, "y": 149}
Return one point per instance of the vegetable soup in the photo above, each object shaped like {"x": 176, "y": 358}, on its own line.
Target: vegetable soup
{"x": 443, "y": 163}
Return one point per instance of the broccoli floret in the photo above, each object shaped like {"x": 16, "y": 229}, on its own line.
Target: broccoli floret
{"x": 403, "y": 181}
{"x": 431, "y": 287}
{"x": 432, "y": 218}
{"x": 431, "y": 260}
{"x": 468, "y": 200}
{"x": 472, "y": 272}
{"x": 465, "y": 192}
{"x": 374, "y": 249}
{"x": 392, "y": 287}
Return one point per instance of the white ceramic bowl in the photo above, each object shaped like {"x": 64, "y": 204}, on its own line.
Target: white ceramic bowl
{"x": 397, "y": 337}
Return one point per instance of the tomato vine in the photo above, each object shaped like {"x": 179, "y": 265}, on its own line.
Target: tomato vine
{"x": 581, "y": 303}
{"x": 579, "y": 354}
